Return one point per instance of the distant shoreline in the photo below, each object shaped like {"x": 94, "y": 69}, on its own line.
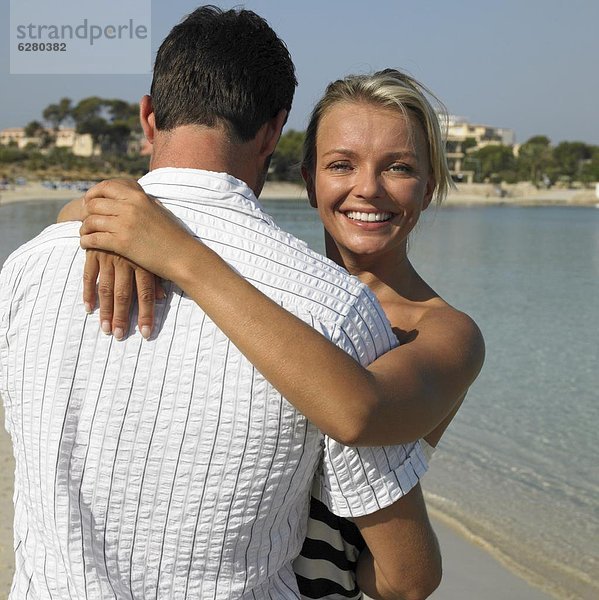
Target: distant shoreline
{"x": 464, "y": 195}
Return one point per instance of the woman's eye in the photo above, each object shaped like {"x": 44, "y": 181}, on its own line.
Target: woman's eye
{"x": 400, "y": 168}
{"x": 339, "y": 166}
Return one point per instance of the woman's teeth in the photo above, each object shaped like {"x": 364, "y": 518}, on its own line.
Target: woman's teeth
{"x": 369, "y": 217}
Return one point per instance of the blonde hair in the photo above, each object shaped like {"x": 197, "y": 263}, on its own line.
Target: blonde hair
{"x": 391, "y": 89}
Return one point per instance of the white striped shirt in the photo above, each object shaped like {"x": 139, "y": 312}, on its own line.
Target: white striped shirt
{"x": 170, "y": 468}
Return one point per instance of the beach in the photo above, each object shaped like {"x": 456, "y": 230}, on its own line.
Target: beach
{"x": 471, "y": 573}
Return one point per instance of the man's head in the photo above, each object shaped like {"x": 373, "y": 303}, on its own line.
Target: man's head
{"x": 222, "y": 68}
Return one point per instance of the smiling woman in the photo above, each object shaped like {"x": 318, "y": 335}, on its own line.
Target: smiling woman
{"x": 373, "y": 178}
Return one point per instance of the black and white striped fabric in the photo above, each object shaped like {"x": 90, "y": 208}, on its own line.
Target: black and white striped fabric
{"x": 170, "y": 467}
{"x": 326, "y": 566}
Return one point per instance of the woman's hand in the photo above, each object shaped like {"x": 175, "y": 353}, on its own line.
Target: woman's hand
{"x": 119, "y": 281}
{"x": 123, "y": 205}
{"x": 119, "y": 217}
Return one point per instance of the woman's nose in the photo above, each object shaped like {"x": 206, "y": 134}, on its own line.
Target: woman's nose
{"x": 368, "y": 183}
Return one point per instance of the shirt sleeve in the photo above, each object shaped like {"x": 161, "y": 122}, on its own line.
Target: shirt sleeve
{"x": 4, "y": 306}
{"x": 358, "y": 481}
{"x": 7, "y": 284}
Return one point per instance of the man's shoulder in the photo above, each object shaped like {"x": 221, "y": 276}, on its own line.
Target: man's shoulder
{"x": 309, "y": 281}
{"x": 57, "y": 234}
{"x": 290, "y": 269}
{"x": 274, "y": 260}
{"x": 48, "y": 257}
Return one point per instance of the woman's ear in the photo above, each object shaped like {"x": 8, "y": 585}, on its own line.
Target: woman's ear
{"x": 429, "y": 192}
{"x": 309, "y": 181}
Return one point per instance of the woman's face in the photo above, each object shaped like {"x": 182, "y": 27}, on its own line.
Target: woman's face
{"x": 372, "y": 178}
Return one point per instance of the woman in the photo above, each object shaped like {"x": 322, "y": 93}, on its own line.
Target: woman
{"x": 373, "y": 162}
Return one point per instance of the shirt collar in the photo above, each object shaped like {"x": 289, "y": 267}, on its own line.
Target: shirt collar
{"x": 204, "y": 187}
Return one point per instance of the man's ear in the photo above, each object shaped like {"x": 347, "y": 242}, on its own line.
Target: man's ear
{"x": 309, "y": 181}
{"x": 272, "y": 132}
{"x": 147, "y": 118}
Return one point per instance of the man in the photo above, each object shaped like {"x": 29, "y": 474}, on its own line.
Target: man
{"x": 170, "y": 467}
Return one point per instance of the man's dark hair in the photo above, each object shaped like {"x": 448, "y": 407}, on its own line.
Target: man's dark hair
{"x": 222, "y": 67}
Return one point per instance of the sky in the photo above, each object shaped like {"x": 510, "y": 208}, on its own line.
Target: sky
{"x": 528, "y": 65}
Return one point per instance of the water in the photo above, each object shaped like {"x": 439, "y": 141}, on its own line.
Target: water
{"x": 517, "y": 468}
{"x": 526, "y": 439}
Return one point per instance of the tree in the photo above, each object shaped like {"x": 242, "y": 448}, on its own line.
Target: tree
{"x": 589, "y": 170}
{"x": 122, "y": 111}
{"x": 286, "y": 161}
{"x": 11, "y": 155}
{"x": 33, "y": 129}
{"x": 55, "y": 114}
{"x": 116, "y": 137}
{"x": 124, "y": 120}
{"x": 535, "y": 158}
{"x": 569, "y": 158}
{"x": 468, "y": 143}
{"x": 87, "y": 110}
{"x": 497, "y": 162}
{"x": 110, "y": 122}
{"x": 88, "y": 117}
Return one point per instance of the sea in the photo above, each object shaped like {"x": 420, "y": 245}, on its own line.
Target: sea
{"x": 518, "y": 469}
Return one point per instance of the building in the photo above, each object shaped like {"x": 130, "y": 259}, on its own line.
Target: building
{"x": 13, "y": 136}
{"x": 80, "y": 144}
{"x": 463, "y": 138}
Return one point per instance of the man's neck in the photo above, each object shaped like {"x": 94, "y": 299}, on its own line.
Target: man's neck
{"x": 209, "y": 149}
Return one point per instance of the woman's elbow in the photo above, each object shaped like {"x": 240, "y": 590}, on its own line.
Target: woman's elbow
{"x": 425, "y": 588}
{"x": 350, "y": 434}
{"x": 355, "y": 427}
{"x": 418, "y": 589}
{"x": 420, "y": 583}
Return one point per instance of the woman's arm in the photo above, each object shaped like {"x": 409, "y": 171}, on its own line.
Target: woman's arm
{"x": 402, "y": 560}
{"x": 402, "y": 396}
{"x": 72, "y": 211}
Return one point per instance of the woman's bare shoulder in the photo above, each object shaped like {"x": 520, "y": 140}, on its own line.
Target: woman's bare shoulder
{"x": 444, "y": 324}
{"x": 438, "y": 310}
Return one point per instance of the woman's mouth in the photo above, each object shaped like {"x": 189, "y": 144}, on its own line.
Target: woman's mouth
{"x": 369, "y": 217}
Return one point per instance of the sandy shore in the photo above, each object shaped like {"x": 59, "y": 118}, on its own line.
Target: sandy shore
{"x": 464, "y": 195}
{"x": 7, "y": 469}
{"x": 470, "y": 573}
{"x": 35, "y": 191}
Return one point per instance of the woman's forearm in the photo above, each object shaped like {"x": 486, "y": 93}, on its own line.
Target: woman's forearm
{"x": 345, "y": 400}
{"x": 72, "y": 211}
{"x": 402, "y": 560}
{"x": 319, "y": 379}
{"x": 371, "y": 581}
